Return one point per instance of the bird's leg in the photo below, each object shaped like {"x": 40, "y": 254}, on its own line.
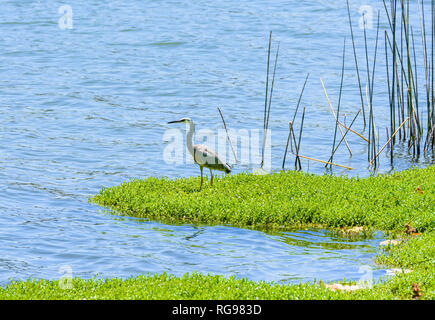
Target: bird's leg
{"x": 211, "y": 175}
{"x": 200, "y": 187}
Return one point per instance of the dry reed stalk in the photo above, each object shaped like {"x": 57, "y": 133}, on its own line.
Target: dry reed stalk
{"x": 290, "y": 124}
{"x": 228, "y": 136}
{"x": 339, "y": 100}
{"x": 298, "y": 146}
{"x": 333, "y": 113}
{"x": 327, "y": 162}
{"x": 358, "y": 134}
{"x": 347, "y": 131}
{"x": 388, "y": 141}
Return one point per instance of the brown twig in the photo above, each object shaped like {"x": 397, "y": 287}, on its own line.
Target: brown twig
{"x": 334, "y": 164}
{"x": 397, "y": 130}
{"x": 335, "y": 117}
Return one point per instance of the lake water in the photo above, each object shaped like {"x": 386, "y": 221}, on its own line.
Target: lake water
{"x": 88, "y": 107}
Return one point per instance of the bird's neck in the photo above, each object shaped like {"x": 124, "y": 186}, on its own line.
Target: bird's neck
{"x": 189, "y": 138}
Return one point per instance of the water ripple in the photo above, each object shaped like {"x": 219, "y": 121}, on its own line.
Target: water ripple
{"x": 86, "y": 108}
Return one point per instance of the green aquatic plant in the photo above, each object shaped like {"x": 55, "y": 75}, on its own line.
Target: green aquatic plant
{"x": 279, "y": 200}
{"x": 283, "y": 200}
{"x": 197, "y": 286}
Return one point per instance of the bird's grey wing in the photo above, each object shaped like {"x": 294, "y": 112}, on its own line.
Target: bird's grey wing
{"x": 209, "y": 158}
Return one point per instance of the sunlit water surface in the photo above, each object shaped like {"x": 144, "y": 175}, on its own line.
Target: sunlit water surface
{"x": 88, "y": 107}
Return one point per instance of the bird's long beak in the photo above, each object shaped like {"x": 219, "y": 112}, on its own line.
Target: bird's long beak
{"x": 176, "y": 121}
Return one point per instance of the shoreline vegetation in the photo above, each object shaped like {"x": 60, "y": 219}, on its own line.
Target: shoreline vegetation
{"x": 401, "y": 204}
{"x": 285, "y": 200}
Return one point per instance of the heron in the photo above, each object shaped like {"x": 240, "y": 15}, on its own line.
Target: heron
{"x": 203, "y": 155}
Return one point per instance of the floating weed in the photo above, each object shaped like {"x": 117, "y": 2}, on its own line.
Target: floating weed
{"x": 283, "y": 200}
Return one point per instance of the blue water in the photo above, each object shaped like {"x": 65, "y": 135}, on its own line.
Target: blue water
{"x": 87, "y": 107}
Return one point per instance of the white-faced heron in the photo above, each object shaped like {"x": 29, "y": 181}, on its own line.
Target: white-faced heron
{"x": 203, "y": 155}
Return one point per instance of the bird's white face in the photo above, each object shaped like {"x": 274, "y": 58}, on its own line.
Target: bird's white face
{"x": 186, "y": 120}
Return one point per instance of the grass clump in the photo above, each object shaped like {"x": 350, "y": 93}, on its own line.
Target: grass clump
{"x": 283, "y": 200}
{"x": 416, "y": 253}
{"x": 401, "y": 202}
{"x": 163, "y": 286}
{"x": 415, "y": 257}
{"x": 190, "y": 286}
